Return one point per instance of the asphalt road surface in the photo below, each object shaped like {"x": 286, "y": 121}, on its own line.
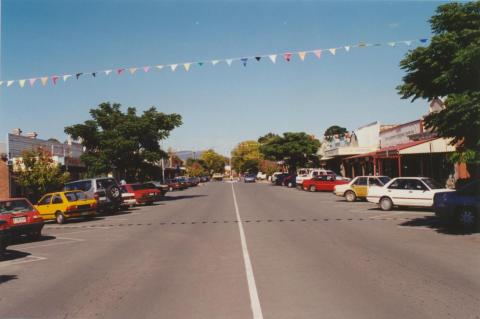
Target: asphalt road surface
{"x": 244, "y": 251}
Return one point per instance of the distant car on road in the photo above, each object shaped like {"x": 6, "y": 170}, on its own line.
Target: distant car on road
{"x": 62, "y": 206}
{"x": 249, "y": 178}
{"x": 279, "y": 178}
{"x": 290, "y": 180}
{"x": 358, "y": 187}
{"x": 459, "y": 208}
{"x": 163, "y": 188}
{"x": 105, "y": 190}
{"x": 217, "y": 177}
{"x": 405, "y": 191}
{"x": 325, "y": 183}
{"x": 21, "y": 218}
{"x": 261, "y": 176}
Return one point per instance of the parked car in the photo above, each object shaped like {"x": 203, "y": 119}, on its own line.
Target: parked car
{"x": 105, "y": 190}
{"x": 174, "y": 185}
{"x": 144, "y": 193}
{"x": 358, "y": 187}
{"x": 261, "y": 176}
{"x": 290, "y": 180}
{"x": 324, "y": 183}
{"x": 459, "y": 208}
{"x": 184, "y": 182}
{"x": 204, "y": 179}
{"x": 62, "y": 206}
{"x": 194, "y": 181}
{"x": 21, "y": 218}
{"x": 309, "y": 173}
{"x": 249, "y": 178}
{"x": 4, "y": 236}
{"x": 163, "y": 188}
{"x": 274, "y": 176}
{"x": 405, "y": 191}
{"x": 217, "y": 177}
{"x": 128, "y": 199}
{"x": 279, "y": 178}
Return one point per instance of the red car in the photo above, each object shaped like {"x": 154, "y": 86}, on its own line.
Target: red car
{"x": 144, "y": 193}
{"x": 21, "y": 217}
{"x": 4, "y": 236}
{"x": 322, "y": 183}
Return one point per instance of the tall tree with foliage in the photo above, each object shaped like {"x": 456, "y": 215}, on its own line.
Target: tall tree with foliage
{"x": 214, "y": 162}
{"x": 246, "y": 157}
{"x": 450, "y": 67}
{"x": 294, "y": 148}
{"x": 124, "y": 141}
{"x": 38, "y": 174}
{"x": 334, "y": 130}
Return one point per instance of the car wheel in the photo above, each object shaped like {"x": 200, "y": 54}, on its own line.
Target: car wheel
{"x": 290, "y": 185}
{"x": 113, "y": 192}
{"x": 170, "y": 189}
{"x": 386, "y": 203}
{"x": 59, "y": 218}
{"x": 313, "y": 188}
{"x": 350, "y": 196}
{"x": 467, "y": 218}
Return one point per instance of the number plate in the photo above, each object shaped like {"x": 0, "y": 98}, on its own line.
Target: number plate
{"x": 151, "y": 194}
{"x": 102, "y": 198}
{"x": 19, "y": 220}
{"x": 85, "y": 213}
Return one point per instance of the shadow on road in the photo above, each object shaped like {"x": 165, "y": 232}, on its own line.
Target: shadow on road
{"x": 18, "y": 240}
{"x": 170, "y": 198}
{"x": 5, "y": 278}
{"x": 435, "y": 224}
{"x": 13, "y": 254}
{"x": 405, "y": 209}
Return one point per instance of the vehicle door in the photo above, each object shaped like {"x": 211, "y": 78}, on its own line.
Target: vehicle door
{"x": 57, "y": 204}
{"x": 44, "y": 208}
{"x": 398, "y": 192}
{"x": 360, "y": 187}
{"x": 418, "y": 193}
{"x": 374, "y": 182}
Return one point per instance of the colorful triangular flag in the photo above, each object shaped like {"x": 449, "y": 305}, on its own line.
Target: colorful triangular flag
{"x": 186, "y": 66}
{"x": 244, "y": 61}
{"x": 287, "y": 56}
{"x": 107, "y": 72}
{"x": 347, "y": 48}
{"x": 200, "y": 63}
{"x": 9, "y": 83}
{"x": 273, "y": 58}
{"x": 229, "y": 61}
{"x": 1, "y": 82}
{"x": 78, "y": 75}
{"x": 258, "y": 58}
{"x": 54, "y": 79}
{"x": 32, "y": 81}
{"x": 332, "y": 51}
{"x": 159, "y": 67}
{"x": 318, "y": 53}
{"x": 302, "y": 55}
{"x": 120, "y": 71}
{"x": 132, "y": 70}
{"x": 94, "y": 74}
{"x": 214, "y": 62}
{"x": 362, "y": 45}
{"x": 65, "y": 77}
{"x": 146, "y": 69}
{"x": 21, "y": 83}
{"x": 44, "y": 80}
{"x": 173, "y": 67}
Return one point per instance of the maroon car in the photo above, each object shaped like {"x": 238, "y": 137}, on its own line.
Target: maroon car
{"x": 21, "y": 217}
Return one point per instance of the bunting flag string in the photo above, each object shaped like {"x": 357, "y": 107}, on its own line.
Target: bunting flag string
{"x": 288, "y": 57}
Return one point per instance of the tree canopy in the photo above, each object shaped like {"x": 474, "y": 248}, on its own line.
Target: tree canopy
{"x": 294, "y": 148}
{"x": 246, "y": 157}
{"x": 38, "y": 174}
{"x": 126, "y": 141}
{"x": 214, "y": 162}
{"x": 334, "y": 130}
{"x": 450, "y": 67}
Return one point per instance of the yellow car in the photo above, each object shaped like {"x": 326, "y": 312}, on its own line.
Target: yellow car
{"x": 358, "y": 187}
{"x": 62, "y": 206}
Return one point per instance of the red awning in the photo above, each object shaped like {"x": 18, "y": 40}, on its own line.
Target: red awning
{"x": 392, "y": 151}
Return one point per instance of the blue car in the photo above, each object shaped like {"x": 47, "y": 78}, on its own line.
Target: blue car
{"x": 460, "y": 208}
{"x": 249, "y": 178}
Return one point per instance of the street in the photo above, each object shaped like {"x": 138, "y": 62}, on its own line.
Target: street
{"x": 235, "y": 250}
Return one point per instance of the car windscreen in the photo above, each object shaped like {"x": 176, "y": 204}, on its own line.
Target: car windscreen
{"x": 15, "y": 206}
{"x": 432, "y": 183}
{"x": 75, "y": 196}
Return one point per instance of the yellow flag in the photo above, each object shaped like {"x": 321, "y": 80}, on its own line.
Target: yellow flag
{"x": 186, "y": 66}
{"x": 44, "y": 80}
{"x": 302, "y": 55}
{"x": 21, "y": 83}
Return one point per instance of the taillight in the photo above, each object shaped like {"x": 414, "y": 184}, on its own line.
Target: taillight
{"x": 70, "y": 208}
{"x": 96, "y": 196}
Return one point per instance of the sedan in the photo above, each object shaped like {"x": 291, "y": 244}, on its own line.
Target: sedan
{"x": 324, "y": 183}
{"x": 21, "y": 217}
{"x": 249, "y": 178}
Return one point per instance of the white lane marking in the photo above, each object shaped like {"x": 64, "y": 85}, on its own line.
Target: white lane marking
{"x": 68, "y": 240}
{"x": 28, "y": 259}
{"x": 252, "y": 288}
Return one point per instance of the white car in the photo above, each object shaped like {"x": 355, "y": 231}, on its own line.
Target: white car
{"x": 261, "y": 176}
{"x": 405, "y": 191}
{"x": 274, "y": 176}
{"x": 128, "y": 199}
{"x": 304, "y": 174}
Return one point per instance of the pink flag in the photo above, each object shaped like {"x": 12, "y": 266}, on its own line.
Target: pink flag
{"x": 318, "y": 53}
{"x": 119, "y": 71}
{"x": 146, "y": 68}
{"x": 32, "y": 81}
{"x": 54, "y": 79}
{"x": 287, "y": 56}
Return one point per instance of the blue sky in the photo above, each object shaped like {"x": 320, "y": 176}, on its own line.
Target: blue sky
{"x": 220, "y": 105}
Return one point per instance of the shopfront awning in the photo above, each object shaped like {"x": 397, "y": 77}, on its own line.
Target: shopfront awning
{"x": 371, "y": 154}
{"x": 396, "y": 150}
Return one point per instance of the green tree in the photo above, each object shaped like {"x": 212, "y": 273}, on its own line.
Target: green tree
{"x": 246, "y": 156}
{"x": 214, "y": 162}
{"x": 450, "y": 67}
{"x": 195, "y": 168}
{"x": 37, "y": 174}
{"x": 126, "y": 141}
{"x": 267, "y": 137}
{"x": 334, "y": 130}
{"x": 293, "y": 148}
{"x": 269, "y": 167}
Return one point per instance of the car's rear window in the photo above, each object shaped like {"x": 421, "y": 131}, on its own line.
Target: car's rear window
{"x": 74, "y": 196}
{"x": 81, "y": 185}
{"x": 105, "y": 183}
{"x": 433, "y": 184}
{"x": 137, "y": 187}
{"x": 15, "y": 206}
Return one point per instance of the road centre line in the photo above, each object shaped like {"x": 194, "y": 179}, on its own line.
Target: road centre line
{"x": 252, "y": 288}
